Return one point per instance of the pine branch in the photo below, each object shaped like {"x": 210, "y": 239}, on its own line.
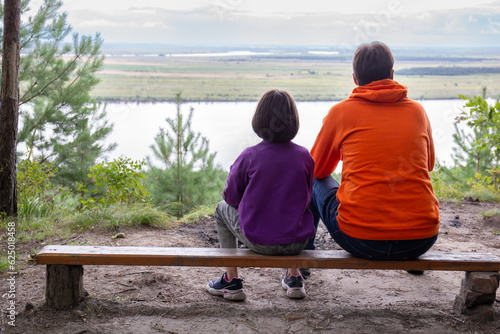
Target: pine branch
{"x": 52, "y": 81}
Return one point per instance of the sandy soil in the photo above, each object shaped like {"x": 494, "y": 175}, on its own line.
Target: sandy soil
{"x": 173, "y": 299}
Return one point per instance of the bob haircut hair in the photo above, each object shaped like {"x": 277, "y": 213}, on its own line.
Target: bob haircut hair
{"x": 372, "y": 62}
{"x": 276, "y": 118}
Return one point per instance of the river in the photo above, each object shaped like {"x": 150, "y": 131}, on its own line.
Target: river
{"x": 227, "y": 126}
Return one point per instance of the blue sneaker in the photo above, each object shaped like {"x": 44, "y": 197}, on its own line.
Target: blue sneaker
{"x": 294, "y": 286}
{"x": 305, "y": 272}
{"x": 232, "y": 290}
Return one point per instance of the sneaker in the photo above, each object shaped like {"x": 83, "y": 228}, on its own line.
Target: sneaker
{"x": 415, "y": 272}
{"x": 232, "y": 290}
{"x": 294, "y": 286}
{"x": 306, "y": 272}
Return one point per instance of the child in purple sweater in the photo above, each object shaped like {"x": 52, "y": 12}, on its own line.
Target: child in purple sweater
{"x": 267, "y": 195}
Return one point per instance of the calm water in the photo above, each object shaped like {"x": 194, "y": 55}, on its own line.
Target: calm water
{"x": 228, "y": 126}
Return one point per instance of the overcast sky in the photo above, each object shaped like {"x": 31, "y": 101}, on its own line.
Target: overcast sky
{"x": 311, "y": 22}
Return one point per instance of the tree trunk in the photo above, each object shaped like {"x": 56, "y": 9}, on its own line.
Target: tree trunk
{"x": 9, "y": 108}
{"x": 64, "y": 286}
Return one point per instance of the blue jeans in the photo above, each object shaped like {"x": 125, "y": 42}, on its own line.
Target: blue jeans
{"x": 324, "y": 205}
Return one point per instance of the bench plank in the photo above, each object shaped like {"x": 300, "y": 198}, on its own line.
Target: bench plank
{"x": 218, "y": 257}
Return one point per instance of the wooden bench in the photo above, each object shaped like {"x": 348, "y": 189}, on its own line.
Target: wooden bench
{"x": 65, "y": 267}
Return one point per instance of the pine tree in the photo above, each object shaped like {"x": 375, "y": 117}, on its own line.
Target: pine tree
{"x": 468, "y": 153}
{"x": 59, "y": 119}
{"x": 473, "y": 153}
{"x": 188, "y": 177}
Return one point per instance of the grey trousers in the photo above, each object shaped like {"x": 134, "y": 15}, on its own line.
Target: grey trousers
{"x": 229, "y": 232}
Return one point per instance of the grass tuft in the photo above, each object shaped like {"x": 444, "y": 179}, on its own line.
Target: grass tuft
{"x": 484, "y": 194}
{"x": 491, "y": 213}
{"x": 198, "y": 212}
{"x": 117, "y": 216}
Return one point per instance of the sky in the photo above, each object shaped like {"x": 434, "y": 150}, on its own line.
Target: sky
{"x": 313, "y": 22}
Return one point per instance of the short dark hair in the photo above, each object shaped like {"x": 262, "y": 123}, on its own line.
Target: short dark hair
{"x": 276, "y": 118}
{"x": 372, "y": 62}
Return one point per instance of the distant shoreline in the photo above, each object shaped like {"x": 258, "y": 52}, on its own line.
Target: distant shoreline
{"x": 237, "y": 101}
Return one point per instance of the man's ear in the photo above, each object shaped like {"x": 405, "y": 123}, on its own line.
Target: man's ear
{"x": 355, "y": 81}
{"x": 392, "y": 75}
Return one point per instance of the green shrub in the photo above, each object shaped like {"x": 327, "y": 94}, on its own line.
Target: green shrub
{"x": 118, "y": 181}
{"x": 444, "y": 189}
{"x": 34, "y": 188}
{"x": 483, "y": 193}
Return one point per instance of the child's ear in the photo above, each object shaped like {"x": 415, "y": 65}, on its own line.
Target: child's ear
{"x": 355, "y": 81}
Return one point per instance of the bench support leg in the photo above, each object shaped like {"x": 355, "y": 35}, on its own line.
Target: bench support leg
{"x": 64, "y": 286}
{"x": 477, "y": 295}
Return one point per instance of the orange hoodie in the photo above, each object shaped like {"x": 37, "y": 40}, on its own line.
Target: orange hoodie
{"x": 385, "y": 142}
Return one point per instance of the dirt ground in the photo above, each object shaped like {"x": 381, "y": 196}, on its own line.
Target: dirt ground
{"x": 173, "y": 299}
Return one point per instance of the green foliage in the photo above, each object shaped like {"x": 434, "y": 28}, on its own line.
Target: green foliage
{"x": 33, "y": 206}
{"x": 476, "y": 171}
{"x": 468, "y": 154}
{"x": 188, "y": 177}
{"x": 4, "y": 264}
{"x": 39, "y": 228}
{"x": 62, "y": 225}
{"x": 487, "y": 182}
{"x": 448, "y": 187}
{"x": 60, "y": 120}
{"x": 118, "y": 181}
{"x": 116, "y": 216}
{"x": 491, "y": 213}
{"x": 337, "y": 177}
{"x": 443, "y": 188}
{"x": 473, "y": 153}
{"x": 482, "y": 193}
{"x": 33, "y": 177}
{"x": 485, "y": 120}
{"x": 197, "y": 213}
{"x": 34, "y": 187}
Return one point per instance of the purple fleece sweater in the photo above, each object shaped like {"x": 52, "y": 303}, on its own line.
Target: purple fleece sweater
{"x": 270, "y": 184}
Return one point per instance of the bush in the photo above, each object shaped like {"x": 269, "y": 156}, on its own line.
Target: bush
{"x": 34, "y": 188}
{"x": 118, "y": 181}
{"x": 482, "y": 193}
{"x": 444, "y": 189}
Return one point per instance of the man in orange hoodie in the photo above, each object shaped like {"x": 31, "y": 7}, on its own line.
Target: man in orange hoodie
{"x": 384, "y": 207}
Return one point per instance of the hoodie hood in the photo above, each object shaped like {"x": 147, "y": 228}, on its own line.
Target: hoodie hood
{"x": 386, "y": 90}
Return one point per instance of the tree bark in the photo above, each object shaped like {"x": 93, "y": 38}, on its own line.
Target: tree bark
{"x": 9, "y": 108}
{"x": 64, "y": 286}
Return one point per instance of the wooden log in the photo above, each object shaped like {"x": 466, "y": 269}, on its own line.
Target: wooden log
{"x": 64, "y": 286}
